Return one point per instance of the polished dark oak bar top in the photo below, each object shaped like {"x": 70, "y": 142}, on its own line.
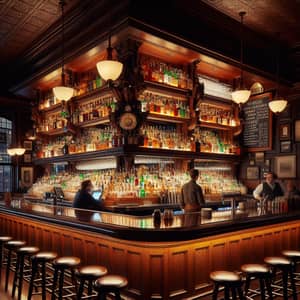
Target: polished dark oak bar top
{"x": 142, "y": 228}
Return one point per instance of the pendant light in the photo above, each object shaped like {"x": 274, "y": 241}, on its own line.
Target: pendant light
{"x": 241, "y": 95}
{"x": 63, "y": 92}
{"x": 278, "y": 104}
{"x": 109, "y": 69}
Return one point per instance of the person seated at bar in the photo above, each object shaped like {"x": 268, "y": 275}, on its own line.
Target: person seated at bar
{"x": 291, "y": 190}
{"x": 192, "y": 195}
{"x": 269, "y": 189}
{"x": 83, "y": 198}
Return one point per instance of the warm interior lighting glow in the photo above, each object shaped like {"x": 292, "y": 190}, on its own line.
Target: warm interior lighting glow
{"x": 15, "y": 151}
{"x": 63, "y": 92}
{"x": 240, "y": 96}
{"x": 11, "y": 151}
{"x": 277, "y": 106}
{"x": 20, "y": 151}
{"x": 109, "y": 69}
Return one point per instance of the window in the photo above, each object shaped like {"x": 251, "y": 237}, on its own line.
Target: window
{"x": 5, "y": 159}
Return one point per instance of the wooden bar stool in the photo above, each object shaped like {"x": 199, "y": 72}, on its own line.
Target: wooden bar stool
{"x": 88, "y": 274}
{"x": 3, "y": 239}
{"x": 11, "y": 246}
{"x": 39, "y": 262}
{"x": 110, "y": 284}
{"x": 293, "y": 256}
{"x": 21, "y": 271}
{"x": 231, "y": 281}
{"x": 263, "y": 274}
{"x": 286, "y": 268}
{"x": 61, "y": 265}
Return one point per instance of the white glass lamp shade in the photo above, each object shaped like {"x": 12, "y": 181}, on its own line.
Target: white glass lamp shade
{"x": 63, "y": 92}
{"x": 109, "y": 69}
{"x": 240, "y": 96}
{"x": 277, "y": 106}
{"x": 11, "y": 151}
{"x": 20, "y": 151}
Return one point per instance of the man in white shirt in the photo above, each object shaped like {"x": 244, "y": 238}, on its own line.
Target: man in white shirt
{"x": 269, "y": 189}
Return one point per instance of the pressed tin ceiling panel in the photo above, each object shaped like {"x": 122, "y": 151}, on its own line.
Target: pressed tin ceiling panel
{"x": 266, "y": 16}
{"x": 22, "y": 21}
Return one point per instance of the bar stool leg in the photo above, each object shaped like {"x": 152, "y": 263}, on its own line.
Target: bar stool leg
{"x": 293, "y": 284}
{"x": 61, "y": 284}
{"x": 118, "y": 295}
{"x": 55, "y": 277}
{"x": 247, "y": 284}
{"x": 43, "y": 280}
{"x": 226, "y": 293}
{"x": 262, "y": 289}
{"x": 90, "y": 287}
{"x": 269, "y": 288}
{"x": 285, "y": 284}
{"x": 34, "y": 271}
{"x": 15, "y": 282}
{"x": 215, "y": 292}
{"x": 80, "y": 291}
{"x": 240, "y": 293}
{"x": 7, "y": 269}
{"x": 20, "y": 283}
{"x": 233, "y": 292}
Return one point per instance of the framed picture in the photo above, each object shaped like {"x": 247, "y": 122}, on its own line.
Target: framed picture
{"x": 259, "y": 157}
{"x": 26, "y": 176}
{"x": 285, "y": 131}
{"x": 285, "y": 166}
{"x": 28, "y": 145}
{"x": 285, "y": 146}
{"x": 27, "y": 158}
{"x": 252, "y": 173}
{"x": 297, "y": 131}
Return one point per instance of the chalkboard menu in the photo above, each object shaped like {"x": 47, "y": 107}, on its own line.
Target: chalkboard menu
{"x": 257, "y": 135}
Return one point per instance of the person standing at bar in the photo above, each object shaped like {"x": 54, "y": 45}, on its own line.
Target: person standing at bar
{"x": 192, "y": 195}
{"x": 269, "y": 189}
{"x": 84, "y": 199}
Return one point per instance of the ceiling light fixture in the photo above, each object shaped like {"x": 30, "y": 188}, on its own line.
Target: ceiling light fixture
{"x": 241, "y": 94}
{"x": 109, "y": 69}
{"x": 279, "y": 104}
{"x": 63, "y": 92}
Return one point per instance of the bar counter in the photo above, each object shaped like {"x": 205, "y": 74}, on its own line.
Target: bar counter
{"x": 172, "y": 261}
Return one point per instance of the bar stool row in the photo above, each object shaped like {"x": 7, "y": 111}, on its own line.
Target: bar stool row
{"x": 48, "y": 272}
{"x": 266, "y": 274}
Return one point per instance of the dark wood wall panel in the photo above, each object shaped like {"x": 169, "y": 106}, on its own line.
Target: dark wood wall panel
{"x": 172, "y": 270}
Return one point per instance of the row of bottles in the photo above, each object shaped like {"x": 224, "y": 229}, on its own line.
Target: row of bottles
{"x": 164, "y": 137}
{"x": 158, "y": 71}
{"x": 94, "y": 109}
{"x": 214, "y": 141}
{"x": 161, "y": 181}
{"x": 53, "y": 122}
{"x": 216, "y": 115}
{"x": 161, "y": 104}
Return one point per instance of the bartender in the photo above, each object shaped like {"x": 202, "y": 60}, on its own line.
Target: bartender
{"x": 84, "y": 199}
{"x": 192, "y": 195}
{"x": 269, "y": 189}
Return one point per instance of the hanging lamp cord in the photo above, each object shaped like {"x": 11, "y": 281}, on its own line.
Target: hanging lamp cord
{"x": 62, "y": 3}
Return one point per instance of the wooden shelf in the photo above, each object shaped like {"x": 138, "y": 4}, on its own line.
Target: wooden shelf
{"x": 51, "y": 108}
{"x": 216, "y": 126}
{"x": 137, "y": 150}
{"x": 98, "y": 91}
{"x": 172, "y": 90}
{"x": 99, "y": 121}
{"x": 166, "y": 118}
{"x": 60, "y": 131}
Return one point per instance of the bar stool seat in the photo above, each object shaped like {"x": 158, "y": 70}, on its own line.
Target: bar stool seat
{"x": 110, "y": 284}
{"x": 11, "y": 247}
{"x": 231, "y": 282}
{"x": 89, "y": 274}
{"x": 40, "y": 260}
{"x": 21, "y": 265}
{"x": 61, "y": 265}
{"x": 293, "y": 254}
{"x": 263, "y": 274}
{"x": 286, "y": 267}
{"x": 3, "y": 239}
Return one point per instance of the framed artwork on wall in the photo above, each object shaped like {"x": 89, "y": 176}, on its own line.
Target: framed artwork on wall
{"x": 28, "y": 145}
{"x": 285, "y": 146}
{"x": 285, "y": 131}
{"x": 252, "y": 173}
{"x": 26, "y": 176}
{"x": 27, "y": 158}
{"x": 285, "y": 166}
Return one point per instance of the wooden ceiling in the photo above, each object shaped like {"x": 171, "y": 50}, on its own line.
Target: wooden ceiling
{"x": 265, "y": 16}
{"x": 22, "y": 21}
